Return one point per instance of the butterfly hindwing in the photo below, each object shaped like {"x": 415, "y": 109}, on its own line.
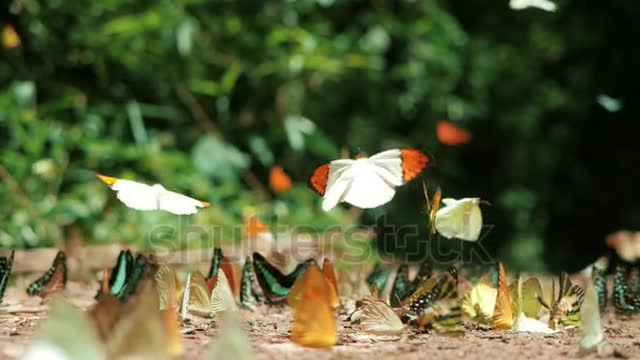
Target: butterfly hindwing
{"x": 53, "y": 280}
{"x": 6, "y": 264}
{"x": 275, "y": 285}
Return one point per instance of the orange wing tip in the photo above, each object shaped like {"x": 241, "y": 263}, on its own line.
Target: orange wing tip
{"x": 204, "y": 204}
{"x": 108, "y": 180}
{"x": 413, "y": 162}
{"x": 450, "y": 134}
{"x": 318, "y": 180}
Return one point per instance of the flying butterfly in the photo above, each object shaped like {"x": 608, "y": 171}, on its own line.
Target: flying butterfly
{"x": 54, "y": 280}
{"x": 461, "y": 219}
{"x": 437, "y": 305}
{"x": 274, "y": 284}
{"x": 367, "y": 182}
{"x": 314, "y": 322}
{"x": 145, "y": 197}
{"x": 250, "y": 292}
{"x": 119, "y": 274}
{"x": 450, "y": 134}
{"x": 624, "y": 299}
{"x": 566, "y": 308}
{"x": 6, "y": 264}
{"x": 433, "y": 206}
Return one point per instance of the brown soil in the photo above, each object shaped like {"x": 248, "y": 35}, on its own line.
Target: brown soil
{"x": 268, "y": 328}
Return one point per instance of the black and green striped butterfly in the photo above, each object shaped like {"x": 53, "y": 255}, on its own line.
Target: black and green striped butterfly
{"x": 53, "y": 280}
{"x": 378, "y": 277}
{"x": 216, "y": 259}
{"x": 6, "y": 264}
{"x": 599, "y": 277}
{"x": 144, "y": 268}
{"x": 624, "y": 299}
{"x": 119, "y": 274}
{"x": 566, "y": 308}
{"x": 250, "y": 292}
{"x": 274, "y": 284}
{"x": 437, "y": 304}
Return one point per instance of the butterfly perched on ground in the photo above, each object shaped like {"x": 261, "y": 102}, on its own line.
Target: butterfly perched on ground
{"x": 502, "y": 314}
{"x": 144, "y": 268}
{"x": 367, "y": 182}
{"x": 599, "y": 278}
{"x": 55, "y": 279}
{"x": 314, "y": 322}
{"x": 402, "y": 287}
{"x": 566, "y": 307}
{"x": 461, "y": 219}
{"x": 250, "y": 292}
{"x": 296, "y": 292}
{"x": 274, "y": 284}
{"x": 168, "y": 285}
{"x": 451, "y": 134}
{"x": 479, "y": 302}
{"x": 624, "y": 299}
{"x": 437, "y": 305}
{"x": 204, "y": 302}
{"x": 378, "y": 318}
{"x": 145, "y": 197}
{"x": 330, "y": 274}
{"x": 119, "y": 274}
{"x": 592, "y": 337}
{"x": 377, "y": 279}
{"x": 525, "y": 306}
{"x": 109, "y": 330}
{"x": 6, "y": 264}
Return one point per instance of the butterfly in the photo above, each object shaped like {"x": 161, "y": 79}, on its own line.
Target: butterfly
{"x": 296, "y": 292}
{"x": 591, "y": 329}
{"x": 203, "y": 302}
{"x": 230, "y": 269}
{"x": 168, "y": 285}
{"x": 232, "y": 341}
{"x": 461, "y": 219}
{"x": 599, "y": 278}
{"x": 55, "y": 279}
{"x": 378, "y": 278}
{"x": 502, "y": 314}
{"x": 314, "y": 323}
{"x": 378, "y": 318}
{"x": 216, "y": 260}
{"x": 250, "y": 292}
{"x": 566, "y": 308}
{"x": 143, "y": 269}
{"x": 545, "y": 5}
{"x": 144, "y": 197}
{"x": 367, "y": 182}
{"x": 330, "y": 275}
{"x": 450, "y": 134}
{"x": 6, "y": 264}
{"x": 524, "y": 297}
{"x": 119, "y": 274}
{"x": 437, "y": 305}
{"x": 480, "y": 302}
{"x": 624, "y": 299}
{"x": 433, "y": 206}
{"x": 279, "y": 181}
{"x": 275, "y": 285}
{"x": 400, "y": 286}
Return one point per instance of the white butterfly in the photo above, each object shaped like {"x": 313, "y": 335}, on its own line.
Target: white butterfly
{"x": 367, "y": 182}
{"x": 145, "y": 197}
{"x": 460, "y": 219}
{"x": 540, "y": 4}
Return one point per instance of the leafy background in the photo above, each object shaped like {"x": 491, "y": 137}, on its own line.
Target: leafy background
{"x": 205, "y": 96}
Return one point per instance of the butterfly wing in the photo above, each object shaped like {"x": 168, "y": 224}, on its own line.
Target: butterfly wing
{"x": 378, "y": 277}
{"x": 6, "y": 264}
{"x": 531, "y": 290}
{"x": 179, "y": 204}
{"x": 400, "y": 286}
{"x": 591, "y": 329}
{"x": 439, "y": 307}
{"x": 53, "y": 280}
{"x": 199, "y": 296}
{"x": 274, "y": 284}
{"x": 599, "y": 278}
{"x": 136, "y": 195}
{"x": 330, "y": 275}
{"x": 472, "y": 220}
{"x": 378, "y": 318}
{"x": 222, "y": 298}
{"x": 166, "y": 284}
{"x": 502, "y": 314}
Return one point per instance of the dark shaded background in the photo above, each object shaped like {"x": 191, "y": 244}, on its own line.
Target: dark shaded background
{"x": 206, "y": 96}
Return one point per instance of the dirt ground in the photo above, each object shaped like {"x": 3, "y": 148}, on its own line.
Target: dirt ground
{"x": 269, "y": 330}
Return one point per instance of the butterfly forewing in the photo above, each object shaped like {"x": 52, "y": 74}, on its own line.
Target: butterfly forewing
{"x": 53, "y": 280}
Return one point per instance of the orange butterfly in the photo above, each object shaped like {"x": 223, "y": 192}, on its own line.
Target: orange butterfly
{"x": 314, "y": 323}
{"x": 231, "y": 272}
{"x": 450, "y": 134}
{"x": 502, "y": 315}
{"x": 330, "y": 275}
{"x": 279, "y": 181}
{"x": 254, "y": 227}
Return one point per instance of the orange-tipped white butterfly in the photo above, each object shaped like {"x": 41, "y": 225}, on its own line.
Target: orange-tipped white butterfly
{"x": 152, "y": 197}
{"x": 367, "y": 182}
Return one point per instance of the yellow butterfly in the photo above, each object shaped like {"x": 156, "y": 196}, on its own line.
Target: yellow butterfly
{"x": 314, "y": 323}
{"x": 522, "y": 322}
{"x": 378, "y": 318}
{"x": 528, "y": 297}
{"x": 502, "y": 315}
{"x": 203, "y": 303}
{"x": 480, "y": 302}
{"x": 166, "y": 278}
